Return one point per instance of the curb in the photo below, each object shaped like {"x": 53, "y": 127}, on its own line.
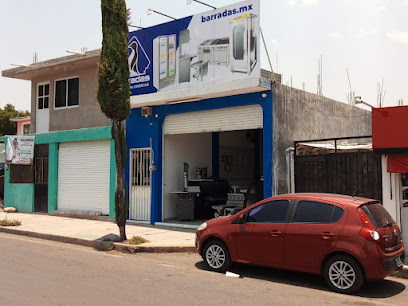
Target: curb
{"x": 97, "y": 244}
{"x": 103, "y": 245}
{"x": 131, "y": 249}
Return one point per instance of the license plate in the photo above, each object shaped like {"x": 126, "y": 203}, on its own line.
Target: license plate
{"x": 398, "y": 261}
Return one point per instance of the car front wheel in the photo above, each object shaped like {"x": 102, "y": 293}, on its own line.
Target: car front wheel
{"x": 216, "y": 256}
{"x": 343, "y": 274}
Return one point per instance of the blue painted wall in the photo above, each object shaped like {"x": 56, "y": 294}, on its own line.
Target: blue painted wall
{"x": 144, "y": 132}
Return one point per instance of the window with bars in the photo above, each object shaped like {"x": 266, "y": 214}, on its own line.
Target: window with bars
{"x": 141, "y": 173}
{"x": 21, "y": 173}
{"x": 41, "y": 170}
{"x": 26, "y": 128}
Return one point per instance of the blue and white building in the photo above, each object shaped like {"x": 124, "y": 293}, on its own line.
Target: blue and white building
{"x": 202, "y": 106}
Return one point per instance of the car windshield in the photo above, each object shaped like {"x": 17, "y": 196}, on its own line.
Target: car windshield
{"x": 378, "y": 215}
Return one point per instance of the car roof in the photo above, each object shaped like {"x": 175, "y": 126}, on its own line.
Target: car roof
{"x": 326, "y": 197}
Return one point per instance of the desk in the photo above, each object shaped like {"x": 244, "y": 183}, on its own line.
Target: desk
{"x": 185, "y": 205}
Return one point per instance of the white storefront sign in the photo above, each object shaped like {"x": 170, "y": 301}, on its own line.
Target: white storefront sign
{"x": 20, "y": 150}
{"x": 216, "y": 46}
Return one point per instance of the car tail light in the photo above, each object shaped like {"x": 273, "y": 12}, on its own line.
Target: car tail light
{"x": 368, "y": 231}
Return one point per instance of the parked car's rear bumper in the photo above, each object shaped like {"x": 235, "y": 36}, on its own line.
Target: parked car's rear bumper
{"x": 394, "y": 263}
{"x": 378, "y": 265}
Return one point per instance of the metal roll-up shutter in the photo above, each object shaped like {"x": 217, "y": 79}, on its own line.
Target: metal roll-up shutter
{"x": 217, "y": 120}
{"x": 84, "y": 176}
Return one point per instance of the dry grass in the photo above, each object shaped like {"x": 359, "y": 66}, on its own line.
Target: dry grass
{"x": 6, "y": 222}
{"x": 137, "y": 240}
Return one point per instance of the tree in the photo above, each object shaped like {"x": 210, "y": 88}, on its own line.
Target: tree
{"x": 113, "y": 92}
{"x": 8, "y": 127}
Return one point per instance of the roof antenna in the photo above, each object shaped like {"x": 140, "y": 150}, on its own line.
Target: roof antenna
{"x": 320, "y": 77}
{"x": 355, "y": 191}
{"x": 75, "y": 52}
{"x": 380, "y": 94}
{"x": 350, "y": 95}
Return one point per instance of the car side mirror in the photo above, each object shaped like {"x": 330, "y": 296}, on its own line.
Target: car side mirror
{"x": 242, "y": 219}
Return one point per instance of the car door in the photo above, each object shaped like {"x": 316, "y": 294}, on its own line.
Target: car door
{"x": 312, "y": 233}
{"x": 260, "y": 239}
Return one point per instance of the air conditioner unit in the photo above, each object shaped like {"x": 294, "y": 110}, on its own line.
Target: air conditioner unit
{"x": 147, "y": 111}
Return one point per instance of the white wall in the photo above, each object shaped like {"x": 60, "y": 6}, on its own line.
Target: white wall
{"x": 392, "y": 199}
{"x": 404, "y": 227}
{"x": 391, "y": 188}
{"x": 194, "y": 149}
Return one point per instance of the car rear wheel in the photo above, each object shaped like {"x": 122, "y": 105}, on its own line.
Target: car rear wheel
{"x": 343, "y": 274}
{"x": 216, "y": 256}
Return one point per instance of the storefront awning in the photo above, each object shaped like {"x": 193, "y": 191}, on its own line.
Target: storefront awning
{"x": 397, "y": 163}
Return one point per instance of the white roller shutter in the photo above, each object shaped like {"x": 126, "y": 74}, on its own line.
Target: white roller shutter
{"x": 84, "y": 176}
{"x": 217, "y": 120}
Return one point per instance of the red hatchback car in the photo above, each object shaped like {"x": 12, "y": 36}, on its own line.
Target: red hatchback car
{"x": 348, "y": 240}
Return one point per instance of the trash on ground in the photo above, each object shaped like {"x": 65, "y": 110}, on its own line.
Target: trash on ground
{"x": 230, "y": 274}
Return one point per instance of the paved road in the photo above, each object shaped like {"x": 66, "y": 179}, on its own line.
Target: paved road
{"x": 37, "y": 272}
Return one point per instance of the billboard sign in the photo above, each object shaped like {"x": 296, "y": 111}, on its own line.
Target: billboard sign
{"x": 20, "y": 150}
{"x": 216, "y": 46}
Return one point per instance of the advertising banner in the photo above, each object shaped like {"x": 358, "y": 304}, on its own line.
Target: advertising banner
{"x": 20, "y": 150}
{"x": 215, "y": 46}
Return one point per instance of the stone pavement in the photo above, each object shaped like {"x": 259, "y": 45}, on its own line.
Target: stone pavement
{"x": 92, "y": 232}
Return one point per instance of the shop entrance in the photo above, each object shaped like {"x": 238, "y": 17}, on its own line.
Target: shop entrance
{"x": 41, "y": 178}
{"x": 212, "y": 162}
{"x": 210, "y": 174}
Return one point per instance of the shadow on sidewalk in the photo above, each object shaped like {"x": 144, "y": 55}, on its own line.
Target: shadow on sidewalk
{"x": 380, "y": 289}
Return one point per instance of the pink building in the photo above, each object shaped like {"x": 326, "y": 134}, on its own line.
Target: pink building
{"x": 23, "y": 125}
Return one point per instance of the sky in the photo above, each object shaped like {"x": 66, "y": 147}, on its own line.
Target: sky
{"x": 369, "y": 38}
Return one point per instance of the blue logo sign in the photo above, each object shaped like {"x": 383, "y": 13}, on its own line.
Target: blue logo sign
{"x": 139, "y": 62}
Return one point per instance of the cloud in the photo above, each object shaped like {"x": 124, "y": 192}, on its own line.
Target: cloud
{"x": 336, "y": 35}
{"x": 398, "y": 36}
{"x": 304, "y": 2}
{"x": 380, "y": 9}
{"x": 365, "y": 33}
{"x": 405, "y": 3}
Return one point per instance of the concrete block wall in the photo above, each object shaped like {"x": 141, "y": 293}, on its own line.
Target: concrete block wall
{"x": 299, "y": 115}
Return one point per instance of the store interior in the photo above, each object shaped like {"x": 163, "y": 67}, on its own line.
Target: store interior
{"x": 206, "y": 175}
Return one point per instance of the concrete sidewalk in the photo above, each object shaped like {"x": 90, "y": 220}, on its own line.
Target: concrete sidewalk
{"x": 91, "y": 233}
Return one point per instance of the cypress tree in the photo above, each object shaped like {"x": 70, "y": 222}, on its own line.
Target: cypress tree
{"x": 113, "y": 92}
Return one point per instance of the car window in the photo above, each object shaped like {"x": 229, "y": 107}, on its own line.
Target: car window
{"x": 337, "y": 214}
{"x": 378, "y": 215}
{"x": 317, "y": 212}
{"x": 269, "y": 212}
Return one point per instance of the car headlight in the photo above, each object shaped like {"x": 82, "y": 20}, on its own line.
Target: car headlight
{"x": 202, "y": 226}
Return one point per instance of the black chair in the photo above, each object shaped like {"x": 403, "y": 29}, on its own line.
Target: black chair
{"x": 214, "y": 192}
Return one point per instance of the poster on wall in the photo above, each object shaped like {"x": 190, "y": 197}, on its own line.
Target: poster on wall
{"x": 20, "y": 150}
{"x": 216, "y": 46}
